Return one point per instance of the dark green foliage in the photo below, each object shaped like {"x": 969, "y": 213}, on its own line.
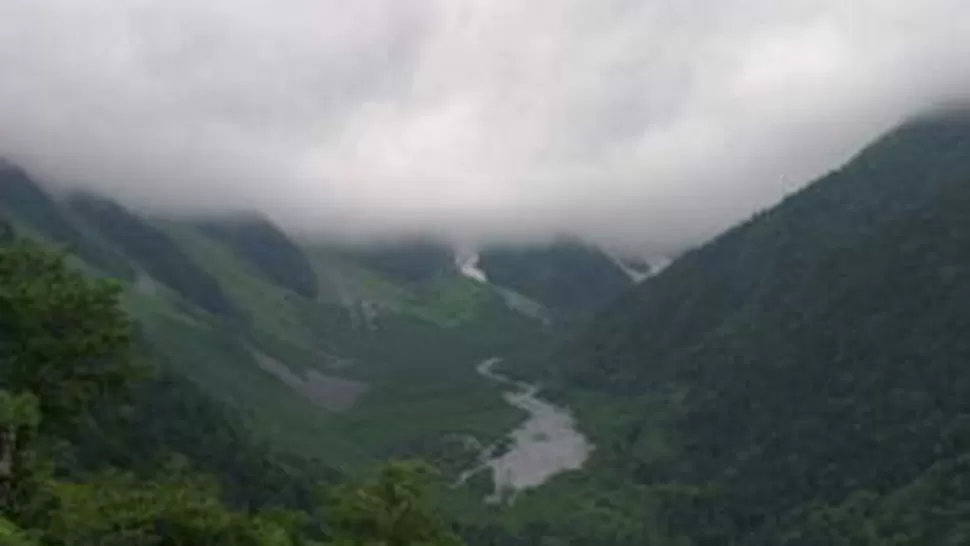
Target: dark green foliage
{"x": 706, "y": 286}
{"x": 154, "y": 251}
{"x": 24, "y": 199}
{"x": 931, "y": 510}
{"x": 19, "y": 410}
{"x": 413, "y": 262}
{"x": 166, "y": 415}
{"x": 6, "y": 232}
{"x": 58, "y": 330}
{"x": 566, "y": 276}
{"x": 64, "y": 343}
{"x": 11, "y": 535}
{"x": 83, "y": 464}
{"x": 268, "y": 250}
{"x": 391, "y": 510}
{"x": 116, "y": 509}
{"x": 807, "y": 370}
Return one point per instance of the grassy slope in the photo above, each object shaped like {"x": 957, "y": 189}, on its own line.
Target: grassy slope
{"x": 417, "y": 352}
{"x": 416, "y": 358}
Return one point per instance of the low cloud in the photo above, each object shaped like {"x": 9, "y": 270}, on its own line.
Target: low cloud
{"x": 646, "y": 124}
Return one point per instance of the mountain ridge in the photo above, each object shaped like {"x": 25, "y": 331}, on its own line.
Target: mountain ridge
{"x": 798, "y": 379}
{"x": 804, "y": 365}
{"x": 252, "y": 316}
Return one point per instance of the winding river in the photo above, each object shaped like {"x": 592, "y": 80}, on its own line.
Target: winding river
{"x": 545, "y": 444}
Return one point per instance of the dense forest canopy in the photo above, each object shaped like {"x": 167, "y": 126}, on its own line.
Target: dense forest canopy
{"x": 99, "y": 448}
{"x": 268, "y": 250}
{"x": 803, "y": 378}
{"x": 154, "y": 250}
{"x": 569, "y": 276}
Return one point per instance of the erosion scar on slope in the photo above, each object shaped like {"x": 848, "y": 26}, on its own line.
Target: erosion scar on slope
{"x": 327, "y": 391}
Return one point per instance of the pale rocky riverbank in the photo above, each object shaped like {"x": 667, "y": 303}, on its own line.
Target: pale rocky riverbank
{"x": 545, "y": 444}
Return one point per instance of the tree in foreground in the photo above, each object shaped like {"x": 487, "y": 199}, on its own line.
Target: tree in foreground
{"x": 11, "y": 535}
{"x": 66, "y": 344}
{"x": 63, "y": 337}
{"x": 393, "y": 509}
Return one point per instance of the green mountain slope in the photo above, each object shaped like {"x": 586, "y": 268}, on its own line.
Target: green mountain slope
{"x": 409, "y": 261}
{"x": 325, "y": 352}
{"x": 268, "y": 250}
{"x": 37, "y": 213}
{"x": 802, "y": 379}
{"x": 152, "y": 251}
{"x": 98, "y": 448}
{"x": 565, "y": 279}
{"x": 894, "y": 176}
{"x": 566, "y": 276}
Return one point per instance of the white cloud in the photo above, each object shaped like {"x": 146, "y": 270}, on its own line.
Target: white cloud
{"x": 647, "y": 123}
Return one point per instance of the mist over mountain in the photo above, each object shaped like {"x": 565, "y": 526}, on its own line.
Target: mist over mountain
{"x": 191, "y": 184}
{"x": 677, "y": 272}
{"x": 646, "y": 125}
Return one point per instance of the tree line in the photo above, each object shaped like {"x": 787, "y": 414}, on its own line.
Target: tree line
{"x": 99, "y": 445}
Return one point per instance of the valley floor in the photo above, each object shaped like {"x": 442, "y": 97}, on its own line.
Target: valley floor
{"x": 544, "y": 445}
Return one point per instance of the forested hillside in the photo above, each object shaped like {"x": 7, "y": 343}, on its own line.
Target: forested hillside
{"x": 320, "y": 357}
{"x": 280, "y": 364}
{"x": 153, "y": 251}
{"x": 803, "y": 378}
{"x": 570, "y": 277}
{"x": 344, "y": 355}
{"x": 100, "y": 445}
{"x": 268, "y": 250}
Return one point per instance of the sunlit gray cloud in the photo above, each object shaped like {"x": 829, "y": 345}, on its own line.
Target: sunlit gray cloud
{"x": 648, "y": 124}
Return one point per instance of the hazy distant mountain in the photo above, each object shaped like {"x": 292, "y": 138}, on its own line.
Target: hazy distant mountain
{"x": 567, "y": 276}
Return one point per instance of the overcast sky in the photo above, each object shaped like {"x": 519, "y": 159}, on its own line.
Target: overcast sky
{"x": 650, "y": 123}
